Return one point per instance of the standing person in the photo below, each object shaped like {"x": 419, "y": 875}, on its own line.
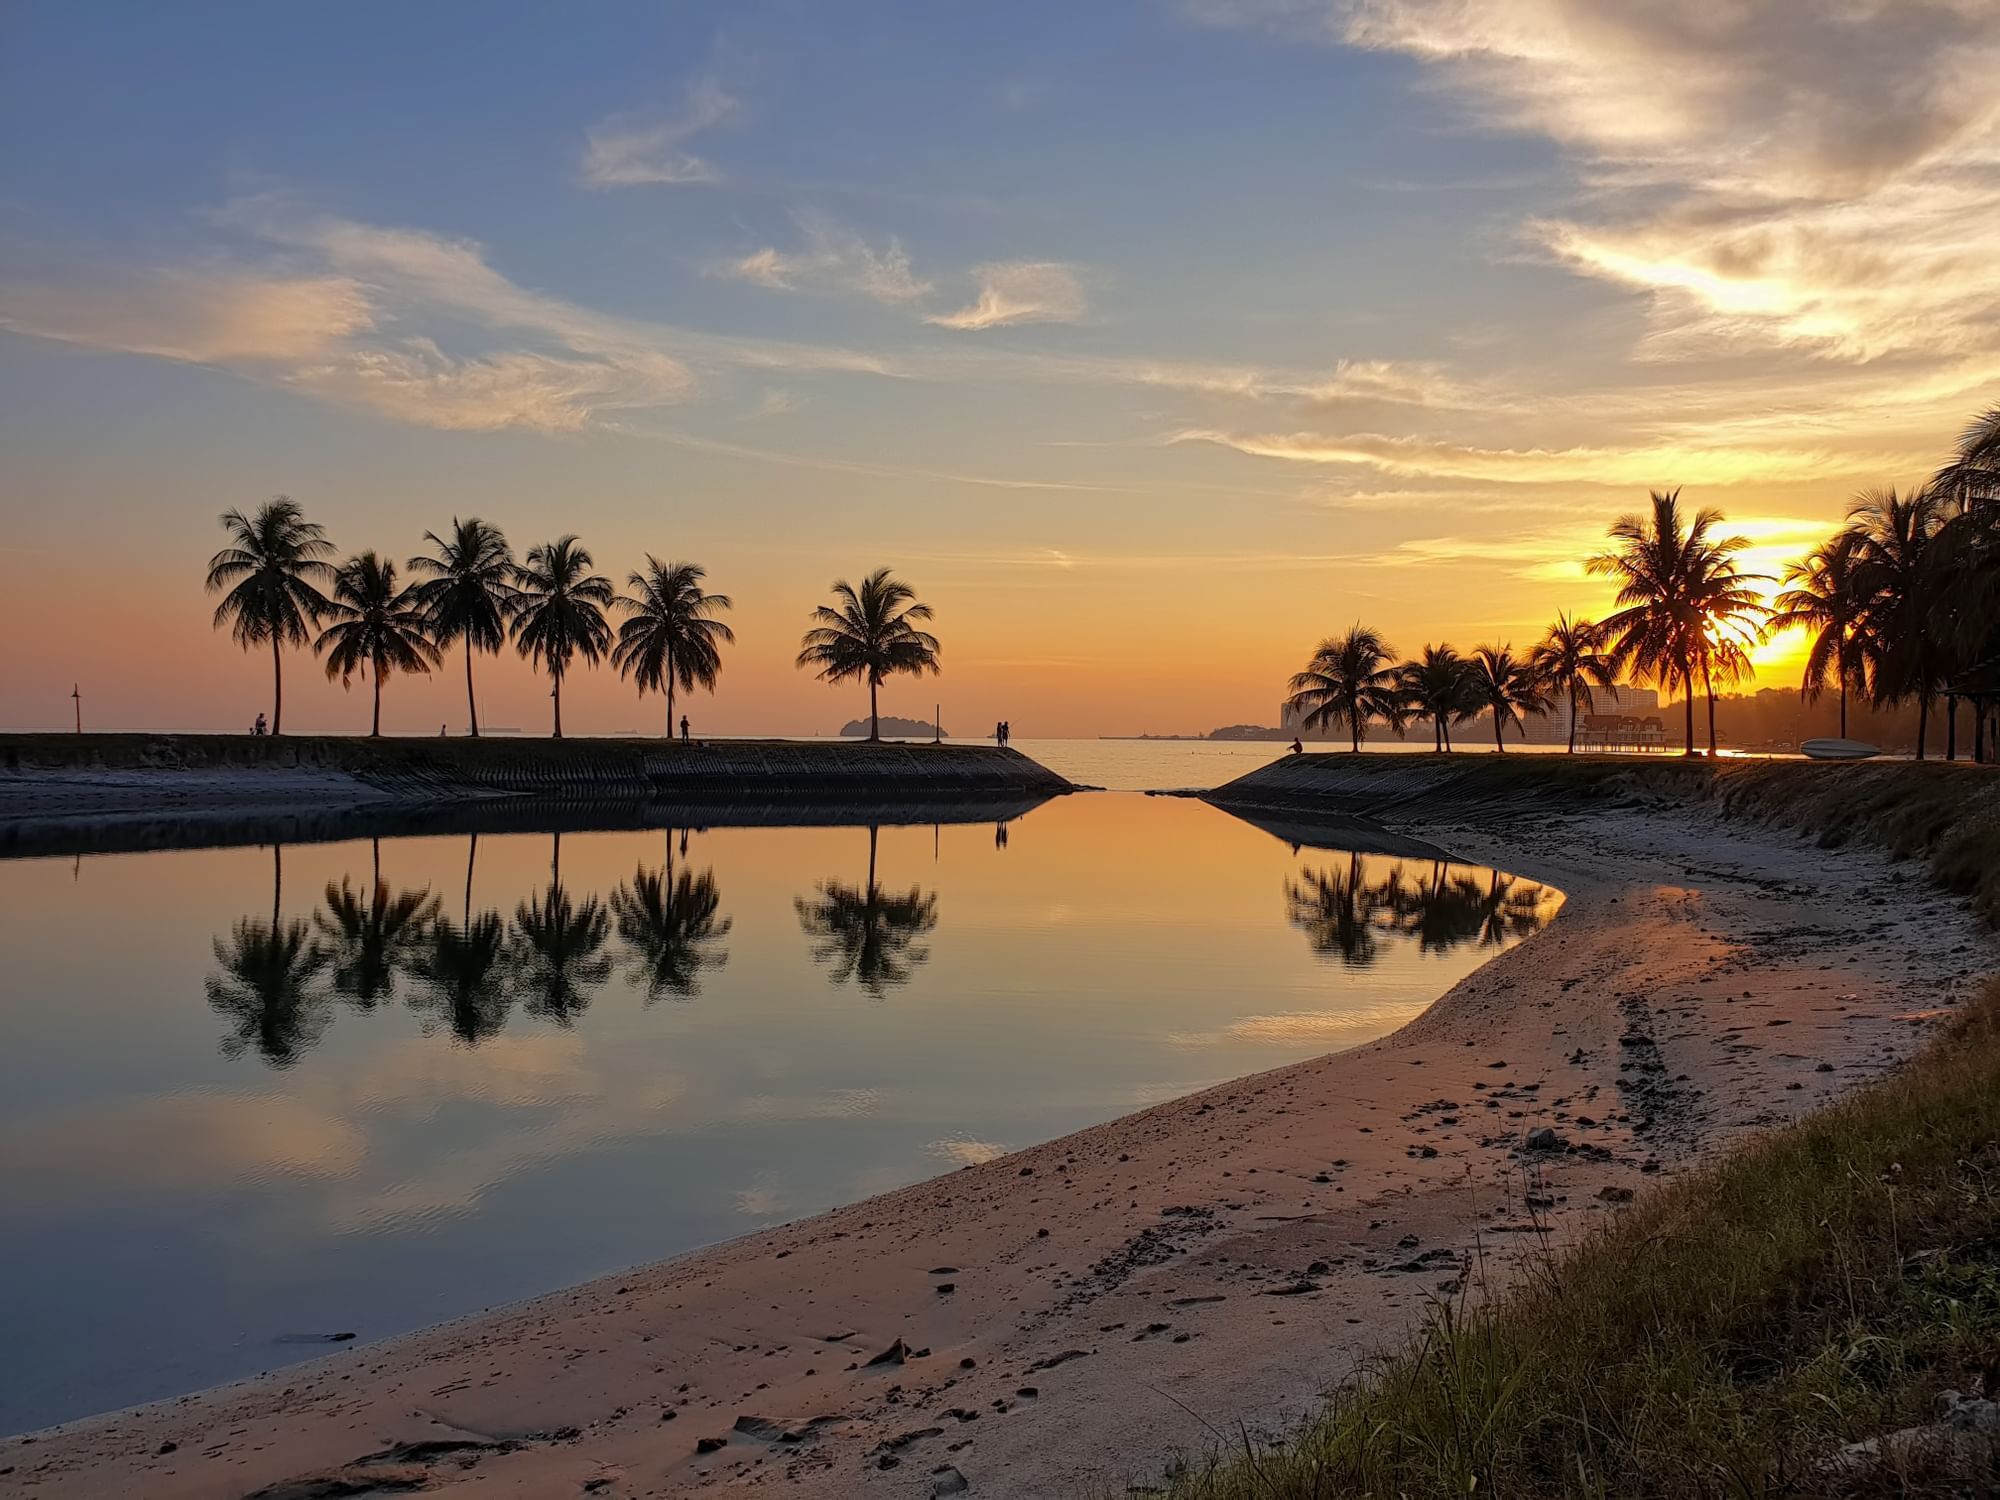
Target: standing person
{"x": 1006, "y": 732}
{"x": 999, "y": 733}
{"x": 258, "y": 728}
{"x": 684, "y": 729}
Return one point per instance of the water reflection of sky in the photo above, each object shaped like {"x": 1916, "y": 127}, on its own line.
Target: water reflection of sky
{"x": 251, "y": 1093}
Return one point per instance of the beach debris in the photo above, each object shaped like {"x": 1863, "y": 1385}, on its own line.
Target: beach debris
{"x": 1545, "y": 1139}
{"x": 170, "y": 1446}
{"x": 945, "y": 1288}
{"x": 1028, "y": 1392}
{"x": 895, "y": 1354}
{"x": 1192, "y": 1301}
{"x": 710, "y": 1444}
{"x": 1058, "y": 1359}
{"x": 1295, "y": 1289}
{"x": 948, "y": 1481}
{"x": 314, "y": 1338}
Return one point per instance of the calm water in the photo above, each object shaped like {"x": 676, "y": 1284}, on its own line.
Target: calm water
{"x": 249, "y": 1095}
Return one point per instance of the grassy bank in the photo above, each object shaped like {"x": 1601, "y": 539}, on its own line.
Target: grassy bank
{"x": 1817, "y": 1287}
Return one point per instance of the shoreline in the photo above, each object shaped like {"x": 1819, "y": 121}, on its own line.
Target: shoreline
{"x": 1228, "y": 1254}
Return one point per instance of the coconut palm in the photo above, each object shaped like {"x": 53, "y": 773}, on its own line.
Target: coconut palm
{"x": 465, "y": 969}
{"x": 669, "y": 638}
{"x": 370, "y": 942}
{"x": 558, "y": 952}
{"x": 1973, "y": 475}
{"x": 375, "y": 625}
{"x": 467, "y": 592}
{"x": 871, "y": 636}
{"x": 669, "y": 922}
{"x": 1570, "y": 662}
{"x": 272, "y": 570}
{"x": 1900, "y": 569}
{"x": 866, "y": 935}
{"x": 559, "y": 614}
{"x": 1438, "y": 686}
{"x": 1350, "y": 680}
{"x": 1731, "y": 615}
{"x": 1822, "y": 596}
{"x": 1340, "y": 911}
{"x": 1660, "y": 564}
{"x": 1507, "y": 686}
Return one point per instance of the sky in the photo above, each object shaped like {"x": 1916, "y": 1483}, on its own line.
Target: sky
{"x": 1151, "y": 340}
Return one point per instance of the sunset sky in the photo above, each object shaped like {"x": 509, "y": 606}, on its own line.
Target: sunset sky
{"x": 1150, "y": 341}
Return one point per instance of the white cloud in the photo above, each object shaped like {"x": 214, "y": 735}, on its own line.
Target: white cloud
{"x": 622, "y": 152}
{"x": 1019, "y": 291}
{"x": 202, "y": 316}
{"x": 833, "y": 259}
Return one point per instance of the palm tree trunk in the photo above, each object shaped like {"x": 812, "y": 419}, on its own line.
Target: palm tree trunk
{"x": 471, "y": 703}
{"x": 670, "y": 693}
{"x": 471, "y": 855}
{"x": 277, "y": 881}
{"x": 375, "y": 725}
{"x": 1572, "y": 718}
{"x": 1950, "y": 727}
{"x": 1923, "y": 722}
{"x": 556, "y": 693}
{"x": 1843, "y": 703}
{"x": 555, "y": 858}
{"x": 874, "y": 718}
{"x": 1708, "y": 687}
{"x": 1688, "y": 702}
{"x": 1499, "y": 743}
{"x": 872, "y": 833}
{"x": 375, "y": 850}
{"x": 277, "y": 691}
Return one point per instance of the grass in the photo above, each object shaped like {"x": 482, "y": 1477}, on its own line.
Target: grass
{"x": 1815, "y": 1287}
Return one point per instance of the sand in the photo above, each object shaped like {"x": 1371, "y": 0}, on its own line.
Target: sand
{"x": 1063, "y": 1320}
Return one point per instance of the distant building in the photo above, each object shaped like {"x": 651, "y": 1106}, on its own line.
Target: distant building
{"x": 1621, "y": 718}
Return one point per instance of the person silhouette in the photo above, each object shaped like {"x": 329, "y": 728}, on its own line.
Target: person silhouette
{"x": 684, "y": 729}
{"x": 1297, "y": 748}
{"x": 1006, "y": 731}
{"x": 999, "y": 733}
{"x": 258, "y": 728}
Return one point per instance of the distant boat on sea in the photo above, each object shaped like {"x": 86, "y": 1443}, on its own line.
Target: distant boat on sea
{"x": 1838, "y": 750}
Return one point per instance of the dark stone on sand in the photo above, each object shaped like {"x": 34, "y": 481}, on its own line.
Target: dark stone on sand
{"x": 948, "y": 1481}
{"x": 710, "y": 1444}
{"x": 1544, "y": 1139}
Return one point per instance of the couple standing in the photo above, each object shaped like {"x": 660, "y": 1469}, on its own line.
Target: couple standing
{"x": 1002, "y": 732}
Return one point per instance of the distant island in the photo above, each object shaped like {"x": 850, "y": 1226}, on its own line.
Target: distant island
{"x": 892, "y": 727}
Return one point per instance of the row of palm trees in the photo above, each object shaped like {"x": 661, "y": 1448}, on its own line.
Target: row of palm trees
{"x": 1902, "y": 604}
{"x": 279, "y": 586}
{"x": 1347, "y": 912}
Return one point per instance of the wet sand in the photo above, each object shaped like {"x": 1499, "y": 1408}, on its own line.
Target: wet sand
{"x": 1063, "y": 1320}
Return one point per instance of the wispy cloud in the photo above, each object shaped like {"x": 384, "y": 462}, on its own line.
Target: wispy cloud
{"x": 1019, "y": 291}
{"x": 626, "y": 152}
{"x": 211, "y": 315}
{"x": 832, "y": 258}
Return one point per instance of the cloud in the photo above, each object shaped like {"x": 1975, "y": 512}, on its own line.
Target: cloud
{"x": 202, "y": 316}
{"x": 832, "y": 259}
{"x": 1824, "y": 178}
{"x": 1019, "y": 291}
{"x": 622, "y": 152}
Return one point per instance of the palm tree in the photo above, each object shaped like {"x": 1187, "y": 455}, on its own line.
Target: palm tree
{"x": 1671, "y": 573}
{"x": 1438, "y": 686}
{"x": 1569, "y": 661}
{"x": 465, "y": 971}
{"x": 871, "y": 635}
{"x": 669, "y": 922}
{"x": 467, "y": 593}
{"x": 558, "y": 945}
{"x": 1350, "y": 680}
{"x": 560, "y": 612}
{"x": 1973, "y": 474}
{"x": 1899, "y": 568}
{"x": 1507, "y": 686}
{"x": 669, "y": 638}
{"x": 271, "y": 568}
{"x": 375, "y": 624}
{"x": 1340, "y": 912}
{"x": 866, "y": 935}
{"x": 1822, "y": 595}
{"x": 370, "y": 942}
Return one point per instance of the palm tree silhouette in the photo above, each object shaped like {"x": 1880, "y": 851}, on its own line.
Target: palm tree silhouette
{"x": 1340, "y": 912}
{"x": 1900, "y": 569}
{"x": 1438, "y": 686}
{"x": 271, "y": 569}
{"x": 1510, "y": 907}
{"x": 560, "y": 612}
{"x": 1441, "y": 909}
{"x": 265, "y": 984}
{"x": 1569, "y": 661}
{"x": 375, "y": 625}
{"x": 558, "y": 948}
{"x": 864, "y": 935}
{"x": 467, "y": 592}
{"x": 1671, "y": 574}
{"x": 1507, "y": 686}
{"x": 465, "y": 969}
{"x": 370, "y": 942}
{"x": 1350, "y": 680}
{"x": 870, "y": 636}
{"x": 669, "y": 638}
{"x": 669, "y": 922}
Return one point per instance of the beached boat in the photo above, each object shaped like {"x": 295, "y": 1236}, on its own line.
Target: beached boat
{"x": 1839, "y": 750}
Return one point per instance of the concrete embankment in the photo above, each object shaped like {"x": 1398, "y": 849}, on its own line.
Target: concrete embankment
{"x": 78, "y": 793}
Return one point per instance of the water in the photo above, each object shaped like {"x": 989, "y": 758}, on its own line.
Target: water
{"x": 248, "y": 1097}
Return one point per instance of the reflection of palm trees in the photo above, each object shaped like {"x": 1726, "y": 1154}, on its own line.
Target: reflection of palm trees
{"x": 864, "y": 935}
{"x": 669, "y": 922}
{"x": 371, "y": 941}
{"x": 265, "y": 985}
{"x": 1343, "y": 913}
{"x": 557, "y": 945}
{"x": 1340, "y": 912}
{"x": 464, "y": 969}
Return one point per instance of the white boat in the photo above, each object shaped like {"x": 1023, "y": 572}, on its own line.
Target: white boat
{"x": 1839, "y": 750}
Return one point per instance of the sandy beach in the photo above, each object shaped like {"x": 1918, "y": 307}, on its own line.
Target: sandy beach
{"x": 1066, "y": 1319}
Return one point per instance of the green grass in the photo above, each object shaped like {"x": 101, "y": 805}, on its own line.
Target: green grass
{"x": 1815, "y": 1287}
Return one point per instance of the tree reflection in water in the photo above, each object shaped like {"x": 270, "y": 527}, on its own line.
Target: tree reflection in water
{"x": 266, "y": 983}
{"x": 558, "y": 945}
{"x": 670, "y": 925}
{"x": 860, "y": 933}
{"x": 1345, "y": 914}
{"x": 371, "y": 942}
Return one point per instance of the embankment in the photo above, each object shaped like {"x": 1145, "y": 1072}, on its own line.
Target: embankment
{"x": 82, "y": 793}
